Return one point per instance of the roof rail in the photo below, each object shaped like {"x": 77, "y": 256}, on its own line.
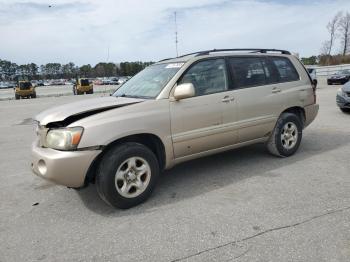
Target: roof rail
{"x": 253, "y": 50}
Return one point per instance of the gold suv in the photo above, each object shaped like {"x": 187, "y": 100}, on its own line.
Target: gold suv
{"x": 173, "y": 111}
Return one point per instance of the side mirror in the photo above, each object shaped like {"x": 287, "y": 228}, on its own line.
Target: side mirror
{"x": 184, "y": 91}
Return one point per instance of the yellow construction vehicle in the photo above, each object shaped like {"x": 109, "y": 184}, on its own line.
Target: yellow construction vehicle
{"x": 25, "y": 89}
{"x": 83, "y": 85}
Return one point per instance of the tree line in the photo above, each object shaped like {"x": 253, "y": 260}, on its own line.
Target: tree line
{"x": 336, "y": 49}
{"x": 31, "y": 71}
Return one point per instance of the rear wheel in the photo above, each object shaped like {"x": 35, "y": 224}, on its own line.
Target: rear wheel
{"x": 33, "y": 95}
{"x": 286, "y": 137}
{"x": 17, "y": 97}
{"x": 127, "y": 175}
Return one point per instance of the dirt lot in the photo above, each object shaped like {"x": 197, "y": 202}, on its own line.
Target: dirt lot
{"x": 243, "y": 205}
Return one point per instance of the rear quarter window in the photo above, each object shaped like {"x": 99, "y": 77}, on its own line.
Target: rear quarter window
{"x": 285, "y": 69}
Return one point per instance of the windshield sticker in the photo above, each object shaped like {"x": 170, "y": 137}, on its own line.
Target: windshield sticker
{"x": 174, "y": 65}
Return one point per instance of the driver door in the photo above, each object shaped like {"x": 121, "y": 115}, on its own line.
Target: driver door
{"x": 197, "y": 122}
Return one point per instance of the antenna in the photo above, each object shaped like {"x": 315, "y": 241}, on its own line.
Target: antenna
{"x": 176, "y": 41}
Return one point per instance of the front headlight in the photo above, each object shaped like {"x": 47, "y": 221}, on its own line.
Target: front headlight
{"x": 64, "y": 138}
{"x": 340, "y": 92}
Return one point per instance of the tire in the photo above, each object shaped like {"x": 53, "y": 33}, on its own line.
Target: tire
{"x": 285, "y": 143}
{"x": 17, "y": 97}
{"x": 128, "y": 156}
{"x": 33, "y": 95}
{"x": 345, "y": 110}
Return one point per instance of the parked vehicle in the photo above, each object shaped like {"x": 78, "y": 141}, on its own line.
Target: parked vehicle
{"x": 341, "y": 77}
{"x": 25, "y": 89}
{"x": 82, "y": 86}
{"x": 106, "y": 81}
{"x": 312, "y": 73}
{"x": 114, "y": 81}
{"x": 4, "y": 85}
{"x": 37, "y": 82}
{"x": 173, "y": 111}
{"x": 343, "y": 98}
{"x": 122, "y": 80}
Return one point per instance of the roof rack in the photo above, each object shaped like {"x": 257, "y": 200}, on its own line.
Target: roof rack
{"x": 252, "y": 50}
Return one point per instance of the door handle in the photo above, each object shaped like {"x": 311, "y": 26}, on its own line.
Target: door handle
{"x": 276, "y": 90}
{"x": 227, "y": 99}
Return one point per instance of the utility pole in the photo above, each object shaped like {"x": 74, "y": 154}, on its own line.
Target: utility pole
{"x": 108, "y": 54}
{"x": 176, "y": 40}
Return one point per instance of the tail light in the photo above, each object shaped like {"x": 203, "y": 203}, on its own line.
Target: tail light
{"x": 314, "y": 91}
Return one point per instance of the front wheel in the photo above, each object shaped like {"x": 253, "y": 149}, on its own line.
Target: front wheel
{"x": 127, "y": 175}
{"x": 286, "y": 137}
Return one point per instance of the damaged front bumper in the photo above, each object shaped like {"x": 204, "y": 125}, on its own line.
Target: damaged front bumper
{"x": 68, "y": 168}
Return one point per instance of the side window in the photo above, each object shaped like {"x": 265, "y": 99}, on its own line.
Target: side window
{"x": 270, "y": 71}
{"x": 248, "y": 71}
{"x": 207, "y": 77}
{"x": 285, "y": 68}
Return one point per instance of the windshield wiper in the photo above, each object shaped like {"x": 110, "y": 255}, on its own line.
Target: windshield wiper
{"x": 134, "y": 96}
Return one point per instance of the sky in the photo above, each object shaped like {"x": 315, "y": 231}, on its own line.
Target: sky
{"x": 92, "y": 31}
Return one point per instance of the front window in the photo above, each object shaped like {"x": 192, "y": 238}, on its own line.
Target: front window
{"x": 344, "y": 72}
{"x": 149, "y": 82}
{"x": 207, "y": 77}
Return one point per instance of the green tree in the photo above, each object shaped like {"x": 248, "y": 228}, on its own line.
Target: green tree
{"x": 312, "y": 60}
{"x": 85, "y": 71}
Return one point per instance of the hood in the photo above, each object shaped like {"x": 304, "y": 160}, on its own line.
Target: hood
{"x": 346, "y": 87}
{"x": 69, "y": 113}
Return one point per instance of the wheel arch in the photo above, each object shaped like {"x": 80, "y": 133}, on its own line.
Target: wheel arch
{"x": 151, "y": 141}
{"x": 297, "y": 110}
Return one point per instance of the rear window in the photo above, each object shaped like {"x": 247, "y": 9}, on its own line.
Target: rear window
{"x": 25, "y": 85}
{"x": 84, "y": 82}
{"x": 285, "y": 69}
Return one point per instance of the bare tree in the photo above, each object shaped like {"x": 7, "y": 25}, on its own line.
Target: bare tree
{"x": 332, "y": 28}
{"x": 344, "y": 29}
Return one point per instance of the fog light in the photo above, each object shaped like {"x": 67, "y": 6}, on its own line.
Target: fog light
{"x": 42, "y": 167}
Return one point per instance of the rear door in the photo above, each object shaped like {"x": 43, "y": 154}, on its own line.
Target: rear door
{"x": 258, "y": 95}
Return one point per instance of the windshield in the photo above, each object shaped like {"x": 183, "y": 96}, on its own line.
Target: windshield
{"x": 149, "y": 82}
{"x": 344, "y": 72}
